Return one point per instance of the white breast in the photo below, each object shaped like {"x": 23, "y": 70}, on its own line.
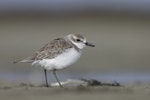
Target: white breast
{"x": 62, "y": 61}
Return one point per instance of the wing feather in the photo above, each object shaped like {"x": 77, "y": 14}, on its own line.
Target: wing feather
{"x": 50, "y": 50}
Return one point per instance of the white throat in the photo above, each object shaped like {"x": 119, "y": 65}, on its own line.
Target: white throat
{"x": 79, "y": 45}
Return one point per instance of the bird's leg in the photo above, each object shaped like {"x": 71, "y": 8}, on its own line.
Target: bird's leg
{"x": 45, "y": 73}
{"x": 54, "y": 72}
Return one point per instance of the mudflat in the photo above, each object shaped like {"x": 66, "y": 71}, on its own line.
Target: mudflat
{"x": 30, "y": 92}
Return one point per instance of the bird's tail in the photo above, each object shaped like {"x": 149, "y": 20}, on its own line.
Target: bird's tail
{"x": 23, "y": 61}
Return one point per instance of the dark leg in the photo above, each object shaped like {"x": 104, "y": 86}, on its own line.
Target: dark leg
{"x": 45, "y": 73}
{"x": 54, "y": 72}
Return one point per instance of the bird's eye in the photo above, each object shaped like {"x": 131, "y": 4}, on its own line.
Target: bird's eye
{"x": 78, "y": 40}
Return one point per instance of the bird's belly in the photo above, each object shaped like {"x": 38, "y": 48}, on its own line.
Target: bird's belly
{"x": 62, "y": 61}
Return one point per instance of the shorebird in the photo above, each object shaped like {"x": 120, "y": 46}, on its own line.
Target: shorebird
{"x": 58, "y": 54}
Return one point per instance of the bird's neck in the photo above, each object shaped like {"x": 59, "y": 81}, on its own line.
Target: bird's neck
{"x": 73, "y": 45}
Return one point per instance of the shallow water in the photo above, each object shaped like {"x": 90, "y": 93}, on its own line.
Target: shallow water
{"x": 37, "y": 78}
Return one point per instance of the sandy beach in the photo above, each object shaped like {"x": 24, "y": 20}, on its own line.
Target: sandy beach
{"x": 122, "y": 52}
{"x": 31, "y": 92}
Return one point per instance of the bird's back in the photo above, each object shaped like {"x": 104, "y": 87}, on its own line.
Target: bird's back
{"x": 49, "y": 50}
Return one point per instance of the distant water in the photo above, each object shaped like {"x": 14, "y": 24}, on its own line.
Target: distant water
{"x": 38, "y": 77}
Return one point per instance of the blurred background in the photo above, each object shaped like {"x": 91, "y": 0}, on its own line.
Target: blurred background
{"x": 120, "y": 29}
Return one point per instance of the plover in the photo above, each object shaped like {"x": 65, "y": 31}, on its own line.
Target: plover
{"x": 58, "y": 54}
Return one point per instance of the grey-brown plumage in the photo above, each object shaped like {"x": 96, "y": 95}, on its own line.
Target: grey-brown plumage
{"x": 50, "y": 50}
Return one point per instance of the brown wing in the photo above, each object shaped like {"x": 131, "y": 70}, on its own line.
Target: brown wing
{"x": 50, "y": 50}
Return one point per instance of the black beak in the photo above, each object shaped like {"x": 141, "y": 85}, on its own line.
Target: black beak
{"x": 89, "y": 44}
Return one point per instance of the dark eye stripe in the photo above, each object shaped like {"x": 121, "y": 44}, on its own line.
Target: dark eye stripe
{"x": 78, "y": 40}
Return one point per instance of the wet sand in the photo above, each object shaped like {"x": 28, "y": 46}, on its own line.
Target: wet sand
{"x": 30, "y": 92}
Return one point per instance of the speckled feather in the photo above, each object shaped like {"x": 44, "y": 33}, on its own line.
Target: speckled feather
{"x": 50, "y": 50}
